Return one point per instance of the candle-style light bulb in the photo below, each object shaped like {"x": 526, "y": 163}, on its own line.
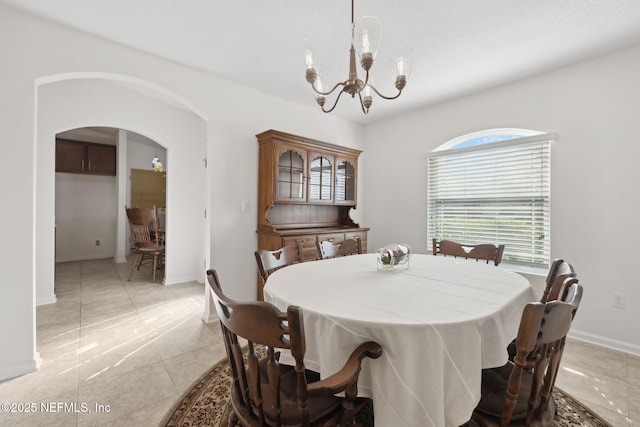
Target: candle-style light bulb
{"x": 402, "y": 62}
{"x": 308, "y": 58}
{"x": 366, "y": 36}
{"x": 365, "y": 41}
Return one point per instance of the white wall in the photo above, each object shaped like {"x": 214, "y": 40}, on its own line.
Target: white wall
{"x": 85, "y": 211}
{"x": 593, "y": 107}
{"x": 34, "y": 107}
{"x": 141, "y": 150}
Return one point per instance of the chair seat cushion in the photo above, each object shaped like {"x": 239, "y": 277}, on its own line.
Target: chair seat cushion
{"x": 494, "y": 385}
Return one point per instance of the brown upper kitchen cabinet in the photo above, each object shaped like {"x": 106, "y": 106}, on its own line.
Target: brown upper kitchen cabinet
{"x": 85, "y": 157}
{"x": 306, "y": 190}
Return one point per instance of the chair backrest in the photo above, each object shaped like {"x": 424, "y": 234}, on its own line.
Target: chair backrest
{"x": 260, "y": 323}
{"x": 162, "y": 217}
{"x": 540, "y": 343}
{"x": 326, "y": 249}
{"x": 329, "y": 249}
{"x": 270, "y": 261}
{"x": 349, "y": 247}
{"x": 265, "y": 392}
{"x": 558, "y": 272}
{"x": 143, "y": 223}
{"x": 485, "y": 251}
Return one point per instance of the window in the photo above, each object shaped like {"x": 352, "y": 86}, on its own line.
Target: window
{"x": 493, "y": 187}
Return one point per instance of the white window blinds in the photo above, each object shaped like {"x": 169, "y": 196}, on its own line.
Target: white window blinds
{"x": 493, "y": 193}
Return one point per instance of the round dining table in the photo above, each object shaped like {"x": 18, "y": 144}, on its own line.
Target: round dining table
{"x": 440, "y": 321}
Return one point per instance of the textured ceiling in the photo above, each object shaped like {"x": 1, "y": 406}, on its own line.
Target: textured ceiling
{"x": 461, "y": 46}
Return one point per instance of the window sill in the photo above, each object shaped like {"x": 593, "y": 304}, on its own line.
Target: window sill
{"x": 525, "y": 269}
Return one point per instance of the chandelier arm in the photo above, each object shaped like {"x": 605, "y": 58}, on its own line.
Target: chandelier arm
{"x": 366, "y": 80}
{"x": 381, "y": 95}
{"x": 364, "y": 110}
{"x": 334, "y": 104}
{"x": 329, "y": 92}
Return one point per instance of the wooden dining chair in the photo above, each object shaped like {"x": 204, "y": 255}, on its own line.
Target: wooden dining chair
{"x": 519, "y": 393}
{"x": 143, "y": 223}
{"x": 330, "y": 249}
{"x": 556, "y": 288}
{"x": 326, "y": 249}
{"x": 558, "y": 272}
{"x": 485, "y": 251}
{"x": 266, "y": 392}
{"x": 270, "y": 261}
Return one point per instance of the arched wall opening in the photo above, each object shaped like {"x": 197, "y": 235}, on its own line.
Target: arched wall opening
{"x": 81, "y": 100}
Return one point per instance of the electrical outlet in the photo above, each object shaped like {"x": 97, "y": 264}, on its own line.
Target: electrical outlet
{"x": 618, "y": 299}
{"x": 97, "y": 242}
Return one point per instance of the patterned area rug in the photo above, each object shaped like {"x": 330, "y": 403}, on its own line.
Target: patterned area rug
{"x": 207, "y": 403}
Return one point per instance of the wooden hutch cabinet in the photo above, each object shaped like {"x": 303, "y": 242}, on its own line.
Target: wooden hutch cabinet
{"x": 306, "y": 189}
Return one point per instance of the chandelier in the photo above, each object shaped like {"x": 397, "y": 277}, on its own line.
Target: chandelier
{"x": 365, "y": 36}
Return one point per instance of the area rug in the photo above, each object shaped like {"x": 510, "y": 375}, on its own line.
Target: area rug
{"x": 207, "y": 403}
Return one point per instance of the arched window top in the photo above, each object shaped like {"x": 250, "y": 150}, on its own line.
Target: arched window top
{"x": 493, "y": 186}
{"x": 485, "y": 137}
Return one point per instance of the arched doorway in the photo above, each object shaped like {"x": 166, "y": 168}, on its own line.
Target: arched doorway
{"x": 75, "y": 101}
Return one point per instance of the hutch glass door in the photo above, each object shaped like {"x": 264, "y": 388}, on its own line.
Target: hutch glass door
{"x": 290, "y": 179}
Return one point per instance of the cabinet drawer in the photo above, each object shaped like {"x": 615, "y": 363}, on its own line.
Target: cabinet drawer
{"x": 332, "y": 237}
{"x": 309, "y": 250}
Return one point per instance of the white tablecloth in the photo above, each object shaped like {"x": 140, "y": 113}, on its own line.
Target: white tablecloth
{"x": 439, "y": 322}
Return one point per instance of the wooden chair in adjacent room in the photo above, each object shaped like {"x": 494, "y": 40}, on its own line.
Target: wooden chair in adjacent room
{"x": 143, "y": 223}
{"x": 485, "y": 251}
{"x": 270, "y": 261}
{"x": 519, "y": 393}
{"x": 266, "y": 392}
{"x": 330, "y": 249}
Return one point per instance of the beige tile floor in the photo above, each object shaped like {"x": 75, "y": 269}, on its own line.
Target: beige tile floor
{"x": 605, "y": 380}
{"x": 137, "y": 346}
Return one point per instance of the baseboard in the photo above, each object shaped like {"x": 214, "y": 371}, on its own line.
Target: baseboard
{"x": 212, "y": 317}
{"x": 17, "y": 369}
{"x": 178, "y": 280}
{"x": 83, "y": 258}
{"x": 51, "y": 299}
{"x": 605, "y": 342}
